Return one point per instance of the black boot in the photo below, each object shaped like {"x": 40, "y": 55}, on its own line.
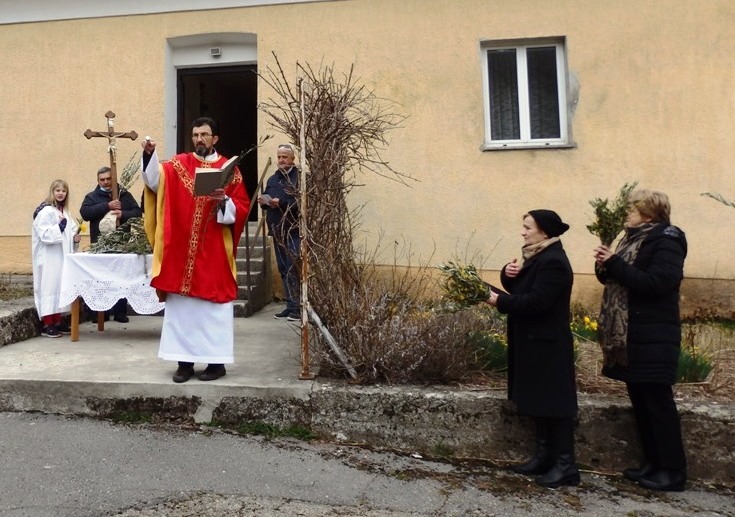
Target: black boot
{"x": 184, "y": 372}
{"x": 664, "y": 480}
{"x": 542, "y": 459}
{"x": 564, "y": 472}
{"x": 635, "y": 474}
{"x": 212, "y": 372}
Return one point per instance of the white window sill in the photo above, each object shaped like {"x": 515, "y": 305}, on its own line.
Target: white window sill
{"x": 517, "y": 146}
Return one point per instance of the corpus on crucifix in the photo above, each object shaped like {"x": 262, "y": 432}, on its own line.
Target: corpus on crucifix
{"x": 111, "y": 135}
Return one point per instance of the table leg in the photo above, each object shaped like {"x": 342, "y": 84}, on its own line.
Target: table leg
{"x": 75, "y": 320}
{"x": 101, "y": 321}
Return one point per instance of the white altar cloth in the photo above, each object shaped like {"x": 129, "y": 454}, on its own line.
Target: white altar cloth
{"x": 101, "y": 279}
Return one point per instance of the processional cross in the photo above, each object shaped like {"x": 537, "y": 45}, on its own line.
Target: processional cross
{"x": 111, "y": 146}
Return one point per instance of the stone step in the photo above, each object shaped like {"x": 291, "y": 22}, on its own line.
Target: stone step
{"x": 255, "y": 279}
{"x": 256, "y": 264}
{"x": 245, "y": 292}
{"x": 257, "y": 294}
{"x": 241, "y": 309}
{"x": 256, "y": 252}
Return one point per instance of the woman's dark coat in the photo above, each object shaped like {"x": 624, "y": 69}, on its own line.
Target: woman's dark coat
{"x": 540, "y": 345}
{"x": 654, "y": 326}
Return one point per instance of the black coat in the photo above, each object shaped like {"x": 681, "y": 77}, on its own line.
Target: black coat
{"x": 654, "y": 325}
{"x": 541, "y": 379}
{"x": 94, "y": 208}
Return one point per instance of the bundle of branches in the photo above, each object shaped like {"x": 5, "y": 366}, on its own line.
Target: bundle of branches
{"x": 377, "y": 318}
{"x": 130, "y": 173}
{"x": 462, "y": 284}
{"x": 344, "y": 129}
{"x": 127, "y": 238}
{"x": 610, "y": 218}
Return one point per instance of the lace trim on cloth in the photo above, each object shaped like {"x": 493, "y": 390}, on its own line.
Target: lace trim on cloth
{"x": 102, "y": 279}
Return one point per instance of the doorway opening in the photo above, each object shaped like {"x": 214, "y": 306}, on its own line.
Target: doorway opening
{"x": 229, "y": 95}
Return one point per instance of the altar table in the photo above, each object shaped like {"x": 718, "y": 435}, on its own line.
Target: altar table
{"x": 101, "y": 279}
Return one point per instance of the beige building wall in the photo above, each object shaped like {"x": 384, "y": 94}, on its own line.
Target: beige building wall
{"x": 650, "y": 91}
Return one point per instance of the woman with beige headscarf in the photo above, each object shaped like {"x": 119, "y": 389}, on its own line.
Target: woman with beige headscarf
{"x": 541, "y": 376}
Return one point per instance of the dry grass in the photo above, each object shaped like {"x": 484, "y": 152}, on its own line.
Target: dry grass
{"x": 391, "y": 333}
{"x": 13, "y": 287}
{"x": 589, "y": 365}
{"x": 713, "y": 340}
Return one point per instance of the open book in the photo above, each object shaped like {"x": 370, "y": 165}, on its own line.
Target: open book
{"x": 207, "y": 180}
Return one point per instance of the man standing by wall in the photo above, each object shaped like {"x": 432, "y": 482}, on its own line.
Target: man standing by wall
{"x": 194, "y": 241}
{"x": 96, "y": 205}
{"x": 282, "y": 215}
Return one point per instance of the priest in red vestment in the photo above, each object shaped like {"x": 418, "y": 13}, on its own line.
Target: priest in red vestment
{"x": 194, "y": 239}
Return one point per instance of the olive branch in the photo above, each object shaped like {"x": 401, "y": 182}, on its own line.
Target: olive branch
{"x": 463, "y": 285}
{"x": 610, "y": 217}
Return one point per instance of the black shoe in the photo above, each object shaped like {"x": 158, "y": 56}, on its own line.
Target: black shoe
{"x": 212, "y": 372}
{"x": 50, "y": 332}
{"x": 635, "y": 474}
{"x": 282, "y": 315}
{"x": 563, "y": 473}
{"x": 184, "y": 373}
{"x": 664, "y": 481}
{"x": 539, "y": 464}
{"x": 63, "y": 329}
{"x": 541, "y": 461}
{"x": 293, "y": 316}
{"x": 122, "y": 318}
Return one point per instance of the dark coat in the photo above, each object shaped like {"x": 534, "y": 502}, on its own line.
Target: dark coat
{"x": 541, "y": 378}
{"x": 654, "y": 325}
{"x": 284, "y": 219}
{"x": 94, "y": 208}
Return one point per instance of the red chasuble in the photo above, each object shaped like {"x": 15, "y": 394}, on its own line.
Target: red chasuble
{"x": 193, "y": 254}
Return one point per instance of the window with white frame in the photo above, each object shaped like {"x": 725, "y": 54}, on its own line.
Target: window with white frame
{"x": 525, "y": 94}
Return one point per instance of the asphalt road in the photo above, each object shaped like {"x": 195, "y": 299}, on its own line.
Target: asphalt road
{"x": 57, "y": 466}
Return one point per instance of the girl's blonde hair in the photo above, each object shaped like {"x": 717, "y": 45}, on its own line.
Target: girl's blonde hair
{"x": 653, "y": 204}
{"x": 50, "y": 199}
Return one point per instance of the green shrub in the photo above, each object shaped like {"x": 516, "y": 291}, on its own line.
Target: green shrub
{"x": 694, "y": 365}
{"x": 491, "y": 350}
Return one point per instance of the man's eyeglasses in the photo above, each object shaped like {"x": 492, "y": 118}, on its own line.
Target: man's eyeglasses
{"x": 201, "y": 135}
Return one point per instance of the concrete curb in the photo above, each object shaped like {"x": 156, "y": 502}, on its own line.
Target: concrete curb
{"x": 435, "y": 421}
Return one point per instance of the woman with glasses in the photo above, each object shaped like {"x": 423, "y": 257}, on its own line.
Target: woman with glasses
{"x": 640, "y": 332}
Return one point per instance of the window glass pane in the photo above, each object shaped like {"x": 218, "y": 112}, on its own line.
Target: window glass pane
{"x": 503, "y": 82}
{"x": 543, "y": 92}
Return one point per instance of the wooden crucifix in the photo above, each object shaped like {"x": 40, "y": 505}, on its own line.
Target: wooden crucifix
{"x": 111, "y": 147}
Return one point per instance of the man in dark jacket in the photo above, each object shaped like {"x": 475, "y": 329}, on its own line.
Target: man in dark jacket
{"x": 96, "y": 205}
{"x": 282, "y": 215}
